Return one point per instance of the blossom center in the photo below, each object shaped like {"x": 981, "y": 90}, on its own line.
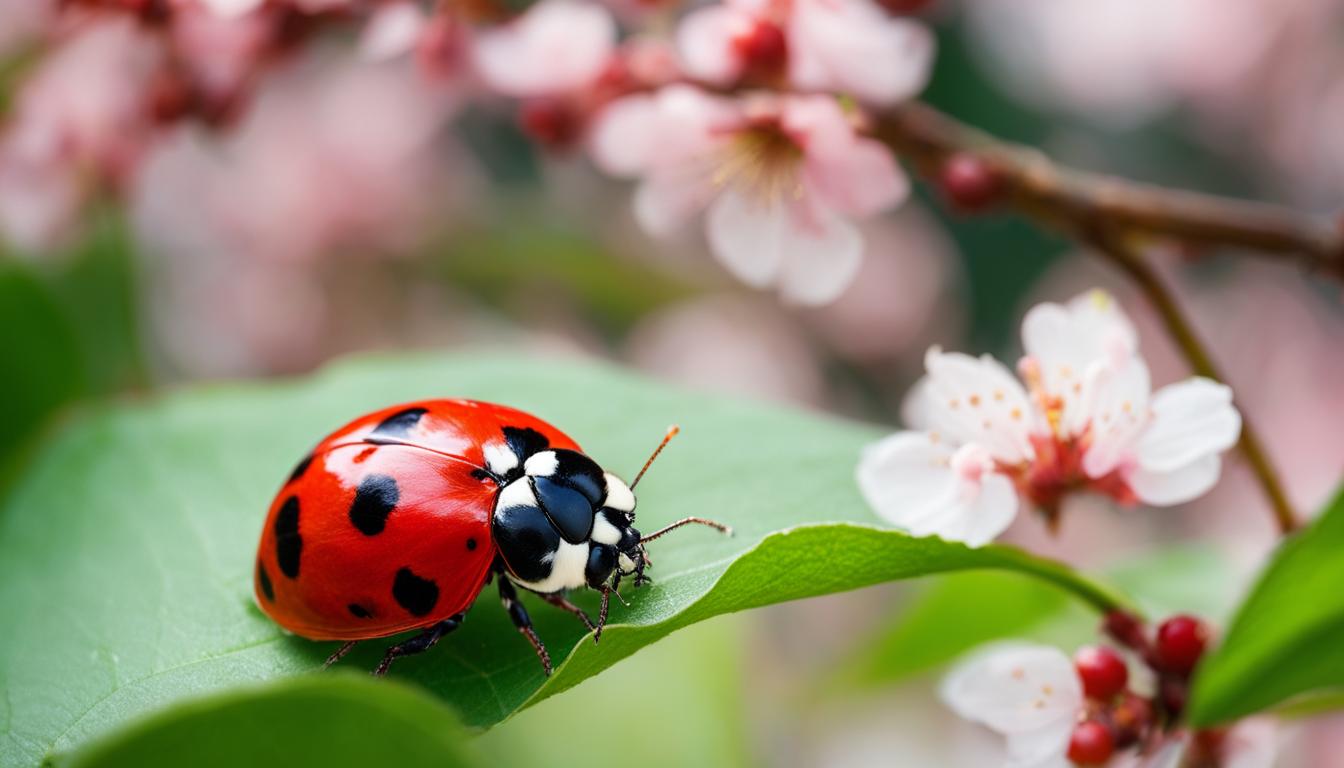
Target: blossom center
{"x": 1057, "y": 470}
{"x": 763, "y": 162}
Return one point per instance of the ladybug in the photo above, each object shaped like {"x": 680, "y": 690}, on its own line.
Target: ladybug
{"x": 399, "y": 519}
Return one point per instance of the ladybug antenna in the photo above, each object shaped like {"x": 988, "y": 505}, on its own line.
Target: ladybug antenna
{"x": 720, "y": 527}
{"x": 671, "y": 433}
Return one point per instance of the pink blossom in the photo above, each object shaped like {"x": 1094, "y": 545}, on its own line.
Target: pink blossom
{"x": 80, "y": 122}
{"x": 221, "y": 54}
{"x": 781, "y": 178}
{"x": 554, "y": 47}
{"x": 843, "y": 46}
{"x": 322, "y": 161}
{"x": 1086, "y": 419}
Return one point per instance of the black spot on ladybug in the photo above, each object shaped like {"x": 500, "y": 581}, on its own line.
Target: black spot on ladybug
{"x": 374, "y": 500}
{"x": 300, "y": 469}
{"x": 288, "y": 542}
{"x": 413, "y": 593}
{"x": 471, "y": 545}
{"x": 396, "y": 427}
{"x": 525, "y": 441}
{"x": 359, "y": 611}
{"x": 264, "y": 579}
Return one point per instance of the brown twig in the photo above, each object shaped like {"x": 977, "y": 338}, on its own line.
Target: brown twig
{"x": 1130, "y": 260}
{"x": 1074, "y": 202}
{"x": 1109, "y": 213}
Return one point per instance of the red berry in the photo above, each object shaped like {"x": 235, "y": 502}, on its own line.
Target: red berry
{"x": 1091, "y": 744}
{"x": 1126, "y": 629}
{"x": 550, "y": 122}
{"x": 1180, "y": 643}
{"x": 969, "y": 183}
{"x": 763, "y": 48}
{"x": 1102, "y": 671}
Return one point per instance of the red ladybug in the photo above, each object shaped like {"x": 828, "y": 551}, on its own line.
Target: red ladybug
{"x": 399, "y": 519}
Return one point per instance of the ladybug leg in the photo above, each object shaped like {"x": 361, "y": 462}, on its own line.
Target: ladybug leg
{"x": 509, "y": 597}
{"x": 418, "y": 644}
{"x": 558, "y": 600}
{"x": 339, "y": 654}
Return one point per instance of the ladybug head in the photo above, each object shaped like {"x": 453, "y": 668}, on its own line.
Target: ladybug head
{"x": 561, "y": 522}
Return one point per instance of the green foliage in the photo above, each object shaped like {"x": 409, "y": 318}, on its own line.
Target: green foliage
{"x": 955, "y": 614}
{"x": 678, "y": 703}
{"x": 321, "y": 720}
{"x": 961, "y": 611}
{"x": 128, "y": 548}
{"x": 69, "y": 329}
{"x": 41, "y": 367}
{"x": 1286, "y": 638}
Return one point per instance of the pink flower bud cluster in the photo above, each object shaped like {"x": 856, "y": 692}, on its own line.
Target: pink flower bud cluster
{"x": 752, "y": 111}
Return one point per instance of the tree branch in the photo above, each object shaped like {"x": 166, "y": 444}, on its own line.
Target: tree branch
{"x": 1117, "y": 250}
{"x": 1075, "y": 202}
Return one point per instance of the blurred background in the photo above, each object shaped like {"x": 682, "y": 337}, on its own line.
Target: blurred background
{"x": 350, "y": 208}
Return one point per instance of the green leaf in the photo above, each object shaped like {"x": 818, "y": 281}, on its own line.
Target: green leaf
{"x": 128, "y": 549}
{"x": 1288, "y": 637}
{"x": 327, "y": 720}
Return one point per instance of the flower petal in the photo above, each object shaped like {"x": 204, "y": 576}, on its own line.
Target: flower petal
{"x": 1163, "y": 488}
{"x": 554, "y": 47}
{"x": 908, "y": 480}
{"x": 1114, "y": 405}
{"x": 1067, "y": 339}
{"x": 821, "y": 254}
{"x": 854, "y": 47}
{"x": 1191, "y": 420}
{"x": 747, "y": 237}
{"x": 809, "y": 251}
{"x": 705, "y": 43}
{"x": 623, "y": 135}
{"x": 976, "y": 400}
{"x": 1044, "y": 747}
{"x": 854, "y": 175}
{"x": 393, "y": 31}
{"x": 1017, "y": 688}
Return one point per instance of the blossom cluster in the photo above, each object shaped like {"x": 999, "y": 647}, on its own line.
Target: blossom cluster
{"x": 1083, "y": 418}
{"x": 753, "y": 111}
{"x": 1091, "y": 710}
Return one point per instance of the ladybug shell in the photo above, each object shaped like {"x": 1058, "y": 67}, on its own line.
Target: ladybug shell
{"x": 385, "y": 526}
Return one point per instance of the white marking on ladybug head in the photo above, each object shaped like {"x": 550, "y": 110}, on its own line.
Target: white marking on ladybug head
{"x": 519, "y": 493}
{"x": 541, "y": 464}
{"x": 568, "y": 564}
{"x": 603, "y": 531}
{"x": 626, "y": 565}
{"x": 499, "y": 459}
{"x": 619, "y": 495}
